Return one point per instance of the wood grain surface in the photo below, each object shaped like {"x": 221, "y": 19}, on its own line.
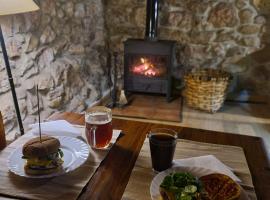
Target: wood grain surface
{"x": 112, "y": 176}
{"x": 151, "y": 107}
{"x": 47, "y": 188}
{"x": 142, "y": 173}
{"x": 3, "y": 142}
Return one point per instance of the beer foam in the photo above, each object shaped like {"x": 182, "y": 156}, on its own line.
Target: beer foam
{"x": 98, "y": 118}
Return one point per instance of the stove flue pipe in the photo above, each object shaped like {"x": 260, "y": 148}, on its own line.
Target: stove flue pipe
{"x": 151, "y": 19}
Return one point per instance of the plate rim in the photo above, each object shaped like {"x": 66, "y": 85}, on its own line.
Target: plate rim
{"x": 59, "y": 173}
{"x": 243, "y": 192}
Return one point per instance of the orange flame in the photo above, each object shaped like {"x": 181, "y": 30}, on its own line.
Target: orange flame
{"x": 145, "y": 68}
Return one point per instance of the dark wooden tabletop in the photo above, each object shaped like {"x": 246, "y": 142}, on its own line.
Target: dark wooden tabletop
{"x": 112, "y": 176}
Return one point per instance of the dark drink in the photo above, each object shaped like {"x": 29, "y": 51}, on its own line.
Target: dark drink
{"x": 98, "y": 127}
{"x": 162, "y": 147}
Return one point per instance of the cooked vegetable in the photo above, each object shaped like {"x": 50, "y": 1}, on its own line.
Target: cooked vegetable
{"x": 180, "y": 186}
{"x": 58, "y": 154}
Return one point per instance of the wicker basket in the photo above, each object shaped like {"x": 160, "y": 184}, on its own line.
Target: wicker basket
{"x": 206, "y": 89}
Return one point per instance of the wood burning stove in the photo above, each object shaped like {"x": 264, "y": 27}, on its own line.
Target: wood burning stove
{"x": 148, "y": 62}
{"x": 148, "y": 66}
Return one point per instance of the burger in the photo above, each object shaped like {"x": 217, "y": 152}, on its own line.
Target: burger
{"x": 42, "y": 156}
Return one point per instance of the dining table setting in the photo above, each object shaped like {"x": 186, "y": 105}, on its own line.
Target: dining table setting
{"x": 97, "y": 156}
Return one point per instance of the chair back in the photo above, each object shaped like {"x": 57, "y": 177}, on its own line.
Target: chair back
{"x": 3, "y": 142}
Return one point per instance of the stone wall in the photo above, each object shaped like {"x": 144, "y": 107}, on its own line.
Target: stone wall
{"x": 209, "y": 33}
{"x": 257, "y": 74}
{"x": 61, "y": 48}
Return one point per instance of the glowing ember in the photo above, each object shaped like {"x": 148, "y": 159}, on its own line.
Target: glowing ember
{"x": 150, "y": 72}
{"x": 146, "y": 68}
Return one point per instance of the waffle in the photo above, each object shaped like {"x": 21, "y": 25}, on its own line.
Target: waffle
{"x": 220, "y": 187}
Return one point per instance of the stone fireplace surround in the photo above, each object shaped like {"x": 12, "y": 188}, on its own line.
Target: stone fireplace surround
{"x": 63, "y": 47}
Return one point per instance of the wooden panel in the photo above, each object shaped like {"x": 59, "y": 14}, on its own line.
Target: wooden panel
{"x": 151, "y": 107}
{"x": 50, "y": 188}
{"x": 2, "y": 134}
{"x": 112, "y": 176}
{"x": 142, "y": 174}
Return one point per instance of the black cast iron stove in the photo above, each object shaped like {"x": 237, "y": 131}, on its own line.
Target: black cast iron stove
{"x": 148, "y": 62}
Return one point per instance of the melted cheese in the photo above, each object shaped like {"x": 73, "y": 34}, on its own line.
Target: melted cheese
{"x": 37, "y": 162}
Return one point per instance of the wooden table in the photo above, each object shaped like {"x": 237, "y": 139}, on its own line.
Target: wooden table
{"x": 112, "y": 176}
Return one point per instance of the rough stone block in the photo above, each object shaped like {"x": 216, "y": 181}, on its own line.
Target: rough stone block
{"x": 246, "y": 16}
{"x": 249, "y": 29}
{"x": 223, "y": 15}
{"x": 183, "y": 20}
{"x": 32, "y": 43}
{"x": 4, "y": 86}
{"x": 47, "y": 36}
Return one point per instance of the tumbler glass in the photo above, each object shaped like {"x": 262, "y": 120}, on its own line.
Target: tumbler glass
{"x": 162, "y": 147}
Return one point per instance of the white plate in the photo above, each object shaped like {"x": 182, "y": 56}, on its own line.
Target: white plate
{"x": 75, "y": 152}
{"x": 195, "y": 171}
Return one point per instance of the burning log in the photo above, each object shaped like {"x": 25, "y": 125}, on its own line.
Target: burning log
{"x": 146, "y": 69}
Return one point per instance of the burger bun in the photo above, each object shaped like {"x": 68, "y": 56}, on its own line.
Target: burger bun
{"x": 35, "y": 149}
{"x": 38, "y": 172}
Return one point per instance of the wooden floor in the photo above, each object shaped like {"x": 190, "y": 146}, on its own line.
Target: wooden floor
{"x": 237, "y": 118}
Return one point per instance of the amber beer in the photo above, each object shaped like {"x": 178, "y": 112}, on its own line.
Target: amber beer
{"x": 98, "y": 127}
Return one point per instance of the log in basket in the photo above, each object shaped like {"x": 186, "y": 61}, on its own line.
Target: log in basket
{"x": 206, "y": 89}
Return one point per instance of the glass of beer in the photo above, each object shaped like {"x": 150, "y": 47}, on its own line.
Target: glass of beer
{"x": 162, "y": 146}
{"x": 98, "y": 127}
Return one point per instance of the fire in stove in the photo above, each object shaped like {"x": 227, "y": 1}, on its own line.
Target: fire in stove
{"x": 147, "y": 68}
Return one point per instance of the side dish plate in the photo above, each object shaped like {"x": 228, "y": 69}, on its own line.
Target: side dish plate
{"x": 195, "y": 171}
